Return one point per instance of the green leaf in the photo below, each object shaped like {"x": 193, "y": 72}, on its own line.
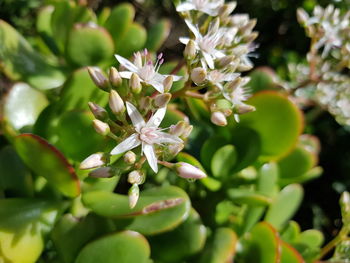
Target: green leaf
{"x": 185, "y": 240}
{"x": 122, "y": 247}
{"x": 157, "y": 34}
{"x": 245, "y": 196}
{"x": 221, "y": 247}
{"x": 277, "y": 121}
{"x": 97, "y": 46}
{"x": 158, "y": 209}
{"x": 312, "y": 238}
{"x": 46, "y": 161}
{"x": 15, "y": 177}
{"x": 267, "y": 179}
{"x": 19, "y": 61}
{"x": 23, "y": 105}
{"x": 76, "y": 136}
{"x": 262, "y": 245}
{"x": 262, "y": 78}
{"x": 71, "y": 234}
{"x": 290, "y": 254}
{"x": 209, "y": 147}
{"x": 133, "y": 40}
{"x": 119, "y": 21}
{"x": 79, "y": 89}
{"x": 223, "y": 161}
{"x": 279, "y": 213}
{"x": 291, "y": 232}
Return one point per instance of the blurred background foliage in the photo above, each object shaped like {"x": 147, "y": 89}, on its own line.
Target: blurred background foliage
{"x": 281, "y": 40}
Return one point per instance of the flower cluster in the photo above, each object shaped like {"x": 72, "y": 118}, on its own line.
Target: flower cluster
{"x": 217, "y": 52}
{"x": 324, "y": 79}
{"x": 139, "y": 105}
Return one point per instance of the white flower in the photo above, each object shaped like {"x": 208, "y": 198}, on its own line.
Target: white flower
{"x": 207, "y": 44}
{"x": 236, "y": 92}
{"x": 216, "y": 77}
{"x": 210, "y": 7}
{"x": 146, "y": 70}
{"x": 146, "y": 135}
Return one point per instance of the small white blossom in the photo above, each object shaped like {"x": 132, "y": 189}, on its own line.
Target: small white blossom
{"x": 146, "y": 70}
{"x": 146, "y": 135}
{"x": 236, "y": 92}
{"x": 206, "y": 44}
{"x": 210, "y": 7}
{"x": 217, "y": 77}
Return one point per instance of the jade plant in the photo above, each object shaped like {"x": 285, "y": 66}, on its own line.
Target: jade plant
{"x": 113, "y": 154}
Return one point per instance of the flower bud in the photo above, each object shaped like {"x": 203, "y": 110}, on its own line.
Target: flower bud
{"x": 101, "y": 127}
{"x": 227, "y": 9}
{"x": 189, "y": 171}
{"x": 244, "y": 108}
{"x": 99, "y": 112}
{"x": 168, "y": 83}
{"x": 130, "y": 157}
{"x": 98, "y": 78}
{"x": 198, "y": 75}
{"x": 134, "y": 193}
{"x": 251, "y": 37}
{"x": 93, "y": 161}
{"x": 116, "y": 103}
{"x": 102, "y": 172}
{"x": 218, "y": 118}
{"x": 248, "y": 27}
{"x": 161, "y": 100}
{"x": 224, "y": 61}
{"x": 178, "y": 129}
{"x": 190, "y": 50}
{"x": 135, "y": 83}
{"x": 187, "y": 131}
{"x": 240, "y": 50}
{"x": 136, "y": 177}
{"x": 174, "y": 149}
{"x": 145, "y": 103}
{"x": 244, "y": 67}
{"x": 302, "y": 16}
{"x": 114, "y": 77}
{"x": 234, "y": 84}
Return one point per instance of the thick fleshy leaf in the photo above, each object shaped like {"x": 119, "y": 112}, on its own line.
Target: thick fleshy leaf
{"x": 23, "y": 105}
{"x": 20, "y": 61}
{"x": 157, "y": 34}
{"x": 97, "y": 46}
{"x": 311, "y": 238}
{"x": 122, "y": 247}
{"x": 119, "y": 21}
{"x": 279, "y": 213}
{"x": 262, "y": 245}
{"x": 45, "y": 160}
{"x": 262, "y": 78}
{"x": 277, "y": 121}
{"x": 15, "y": 178}
{"x": 223, "y": 161}
{"x": 157, "y": 210}
{"x": 133, "y": 40}
{"x": 43, "y": 26}
{"x": 244, "y": 196}
{"x": 291, "y": 232}
{"x": 209, "y": 147}
{"x": 221, "y": 248}
{"x": 76, "y": 135}
{"x": 290, "y": 254}
{"x": 185, "y": 240}
{"x": 71, "y": 234}
{"x": 79, "y": 89}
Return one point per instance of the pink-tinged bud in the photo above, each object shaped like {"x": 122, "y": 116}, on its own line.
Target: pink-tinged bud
{"x": 99, "y": 112}
{"x": 302, "y": 16}
{"x": 134, "y": 193}
{"x": 98, "y": 78}
{"x": 114, "y": 77}
{"x": 130, "y": 157}
{"x": 174, "y": 149}
{"x": 136, "y": 177}
{"x": 218, "y": 118}
{"x": 190, "y": 50}
{"x": 116, "y": 103}
{"x": 189, "y": 171}
{"x": 101, "y": 127}
{"x": 244, "y": 108}
{"x": 187, "y": 131}
{"x": 93, "y": 161}
{"x": 168, "y": 83}
{"x": 135, "y": 83}
{"x": 145, "y": 103}
{"x": 161, "y": 100}
{"x": 178, "y": 129}
{"x": 102, "y": 172}
{"x": 198, "y": 75}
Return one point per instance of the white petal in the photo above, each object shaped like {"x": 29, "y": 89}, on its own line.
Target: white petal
{"x": 138, "y": 60}
{"x": 230, "y": 76}
{"x": 167, "y": 138}
{"x": 150, "y": 156}
{"x": 209, "y": 60}
{"x": 129, "y": 143}
{"x": 184, "y": 40}
{"x": 185, "y": 7}
{"x": 193, "y": 29}
{"x": 157, "y": 85}
{"x": 135, "y": 116}
{"x": 125, "y": 74}
{"x": 157, "y": 118}
{"x": 210, "y": 11}
{"x": 126, "y": 63}
{"x": 175, "y": 78}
